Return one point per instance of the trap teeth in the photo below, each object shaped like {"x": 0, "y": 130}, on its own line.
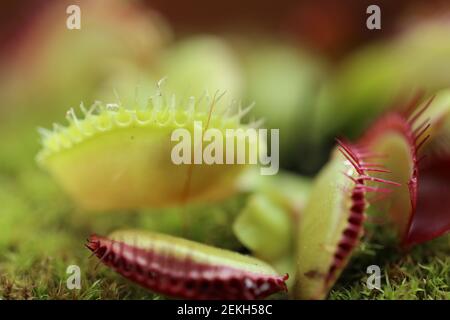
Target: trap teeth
{"x": 335, "y": 208}
{"x": 195, "y": 270}
{"x": 115, "y": 151}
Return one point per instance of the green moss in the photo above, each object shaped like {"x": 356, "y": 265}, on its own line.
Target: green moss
{"x": 42, "y": 233}
{"x": 422, "y": 273}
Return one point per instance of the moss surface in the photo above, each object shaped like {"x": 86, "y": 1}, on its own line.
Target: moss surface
{"x": 42, "y": 233}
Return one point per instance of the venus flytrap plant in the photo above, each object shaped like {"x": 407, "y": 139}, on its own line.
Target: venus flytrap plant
{"x": 117, "y": 157}
{"x": 120, "y": 156}
{"x": 331, "y": 224}
{"x": 185, "y": 269}
{"x": 285, "y": 188}
{"x": 432, "y": 218}
{"x": 267, "y": 223}
{"x": 266, "y": 229}
{"x": 415, "y": 142}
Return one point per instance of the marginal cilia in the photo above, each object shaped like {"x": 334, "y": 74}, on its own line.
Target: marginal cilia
{"x": 181, "y": 268}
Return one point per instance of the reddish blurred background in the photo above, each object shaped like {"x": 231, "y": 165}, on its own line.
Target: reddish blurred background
{"x": 332, "y": 27}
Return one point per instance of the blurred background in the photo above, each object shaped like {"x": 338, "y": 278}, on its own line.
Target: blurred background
{"x": 313, "y": 69}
